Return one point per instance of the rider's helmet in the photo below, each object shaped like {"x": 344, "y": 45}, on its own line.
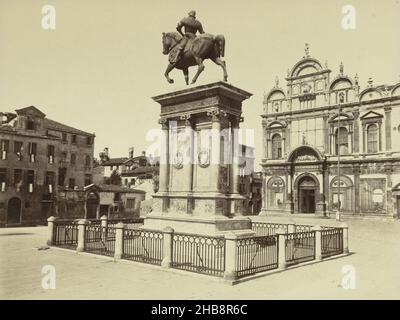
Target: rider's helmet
{"x": 192, "y": 13}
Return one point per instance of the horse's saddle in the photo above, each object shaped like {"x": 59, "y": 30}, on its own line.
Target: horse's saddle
{"x": 191, "y": 41}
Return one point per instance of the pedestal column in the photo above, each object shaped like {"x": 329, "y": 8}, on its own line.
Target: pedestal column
{"x": 190, "y": 150}
{"x": 235, "y": 155}
{"x": 215, "y": 148}
{"x": 164, "y": 161}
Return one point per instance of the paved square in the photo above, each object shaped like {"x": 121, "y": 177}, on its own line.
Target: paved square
{"x": 376, "y": 258}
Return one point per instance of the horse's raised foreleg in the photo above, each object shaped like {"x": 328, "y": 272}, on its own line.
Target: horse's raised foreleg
{"x": 167, "y": 71}
{"x": 222, "y": 63}
{"x": 186, "y": 74}
{"x": 200, "y": 69}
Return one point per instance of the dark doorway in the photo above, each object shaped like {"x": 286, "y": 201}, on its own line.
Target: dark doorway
{"x": 92, "y": 203}
{"x": 307, "y": 192}
{"x": 307, "y": 201}
{"x": 14, "y": 211}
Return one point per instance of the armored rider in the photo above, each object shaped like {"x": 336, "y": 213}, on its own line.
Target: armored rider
{"x": 191, "y": 25}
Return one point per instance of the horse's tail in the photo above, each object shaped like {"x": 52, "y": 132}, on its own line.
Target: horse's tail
{"x": 220, "y": 45}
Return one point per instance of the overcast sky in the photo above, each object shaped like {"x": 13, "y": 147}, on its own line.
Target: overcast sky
{"x": 99, "y": 69}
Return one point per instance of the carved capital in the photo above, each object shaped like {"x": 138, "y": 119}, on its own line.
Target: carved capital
{"x": 214, "y": 114}
{"x": 164, "y": 123}
{"x": 387, "y": 108}
{"x": 186, "y": 118}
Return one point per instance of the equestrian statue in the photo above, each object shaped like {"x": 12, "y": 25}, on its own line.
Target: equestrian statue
{"x": 186, "y": 49}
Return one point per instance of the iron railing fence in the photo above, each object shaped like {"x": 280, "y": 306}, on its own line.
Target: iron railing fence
{"x": 66, "y": 235}
{"x": 100, "y": 240}
{"x": 331, "y": 242}
{"x": 300, "y": 247}
{"x": 256, "y": 254}
{"x": 267, "y": 228}
{"x": 198, "y": 253}
{"x": 131, "y": 223}
{"x": 143, "y": 246}
{"x": 303, "y": 228}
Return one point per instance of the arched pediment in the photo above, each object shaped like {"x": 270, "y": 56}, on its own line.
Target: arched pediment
{"x": 343, "y": 116}
{"x": 306, "y": 66}
{"x": 276, "y": 94}
{"x": 370, "y": 94}
{"x": 341, "y": 82}
{"x": 395, "y": 90}
{"x": 304, "y": 154}
{"x": 276, "y": 124}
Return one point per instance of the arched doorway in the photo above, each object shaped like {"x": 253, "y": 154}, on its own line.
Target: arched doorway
{"x": 14, "y": 211}
{"x": 307, "y": 191}
{"x": 92, "y": 203}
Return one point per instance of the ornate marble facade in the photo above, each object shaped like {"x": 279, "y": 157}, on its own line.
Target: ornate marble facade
{"x": 318, "y": 120}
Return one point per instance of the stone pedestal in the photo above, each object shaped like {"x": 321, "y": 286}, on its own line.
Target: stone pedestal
{"x": 199, "y": 165}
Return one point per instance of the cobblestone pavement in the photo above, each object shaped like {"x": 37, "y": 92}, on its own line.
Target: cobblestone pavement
{"x": 376, "y": 258}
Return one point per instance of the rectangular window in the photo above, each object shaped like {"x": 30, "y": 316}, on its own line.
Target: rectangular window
{"x": 4, "y": 146}
{"x": 63, "y": 137}
{"x": 130, "y": 203}
{"x": 32, "y": 150}
{"x": 117, "y": 197}
{"x": 50, "y": 181}
{"x": 18, "y": 145}
{"x": 73, "y": 159}
{"x": 89, "y": 141}
{"x": 73, "y": 139}
{"x": 30, "y": 124}
{"x": 71, "y": 183}
{"x": 50, "y": 153}
{"x": 30, "y": 180}
{"x": 3, "y": 179}
{"x": 18, "y": 179}
{"x": 88, "y": 179}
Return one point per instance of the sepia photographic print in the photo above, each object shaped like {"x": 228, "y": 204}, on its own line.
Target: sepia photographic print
{"x": 199, "y": 150}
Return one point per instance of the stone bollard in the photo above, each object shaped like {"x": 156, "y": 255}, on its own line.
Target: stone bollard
{"x": 281, "y": 233}
{"x": 345, "y": 237}
{"x": 51, "y": 226}
{"x": 119, "y": 240}
{"x": 104, "y": 227}
{"x": 230, "y": 256}
{"x": 82, "y": 235}
{"x": 318, "y": 242}
{"x": 168, "y": 234}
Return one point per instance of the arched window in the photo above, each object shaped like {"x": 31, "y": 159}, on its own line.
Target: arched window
{"x": 276, "y": 146}
{"x": 372, "y": 138}
{"x": 342, "y": 141}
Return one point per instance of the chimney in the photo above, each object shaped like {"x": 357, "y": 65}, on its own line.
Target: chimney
{"x": 106, "y": 151}
{"x": 131, "y": 152}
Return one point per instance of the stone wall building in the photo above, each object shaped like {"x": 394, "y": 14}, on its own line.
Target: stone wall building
{"x": 39, "y": 160}
{"x": 305, "y": 135}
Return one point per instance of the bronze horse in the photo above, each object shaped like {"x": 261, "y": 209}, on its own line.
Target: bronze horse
{"x": 196, "y": 51}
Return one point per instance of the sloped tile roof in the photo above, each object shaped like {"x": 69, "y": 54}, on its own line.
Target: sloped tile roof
{"x": 57, "y": 126}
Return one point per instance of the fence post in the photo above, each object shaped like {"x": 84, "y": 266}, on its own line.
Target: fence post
{"x": 318, "y": 242}
{"x": 168, "y": 235}
{"x": 281, "y": 233}
{"x": 51, "y": 226}
{"x": 291, "y": 228}
{"x": 104, "y": 227}
{"x": 119, "y": 240}
{"x": 345, "y": 228}
{"x": 230, "y": 256}
{"x": 82, "y": 235}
